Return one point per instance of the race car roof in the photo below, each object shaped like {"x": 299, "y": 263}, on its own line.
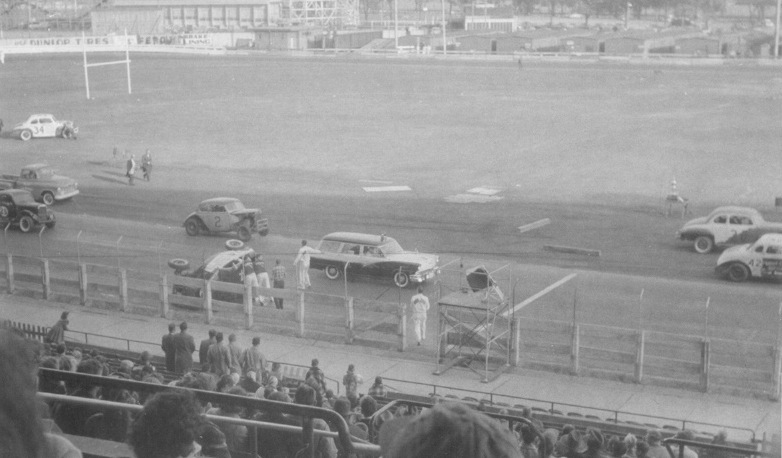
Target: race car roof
{"x": 223, "y": 258}
{"x": 357, "y": 237}
{"x": 220, "y": 200}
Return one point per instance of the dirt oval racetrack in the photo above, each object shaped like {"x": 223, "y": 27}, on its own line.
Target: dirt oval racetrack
{"x": 592, "y": 147}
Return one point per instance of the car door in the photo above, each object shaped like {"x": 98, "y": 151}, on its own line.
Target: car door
{"x": 7, "y": 209}
{"x": 218, "y": 219}
{"x": 772, "y": 260}
{"x": 48, "y": 127}
{"x": 351, "y": 252}
{"x": 371, "y": 257}
{"x": 723, "y": 232}
{"x": 36, "y": 128}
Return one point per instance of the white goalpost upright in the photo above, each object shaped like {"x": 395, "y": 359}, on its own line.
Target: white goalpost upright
{"x": 101, "y": 64}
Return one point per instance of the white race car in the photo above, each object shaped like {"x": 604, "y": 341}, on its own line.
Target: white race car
{"x": 45, "y": 125}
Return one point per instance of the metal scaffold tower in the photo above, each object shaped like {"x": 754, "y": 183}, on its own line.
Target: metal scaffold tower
{"x": 330, "y": 13}
{"x": 475, "y": 323}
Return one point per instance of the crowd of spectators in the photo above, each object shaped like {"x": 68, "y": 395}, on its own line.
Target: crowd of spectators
{"x": 172, "y": 424}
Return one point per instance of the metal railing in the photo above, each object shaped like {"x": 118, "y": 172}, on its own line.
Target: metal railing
{"x": 342, "y": 436}
{"x": 724, "y": 449}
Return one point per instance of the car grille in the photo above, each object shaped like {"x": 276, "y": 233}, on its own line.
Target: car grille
{"x": 43, "y": 213}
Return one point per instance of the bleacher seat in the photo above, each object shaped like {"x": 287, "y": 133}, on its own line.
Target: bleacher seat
{"x": 556, "y": 412}
{"x": 574, "y": 414}
{"x": 670, "y": 427}
{"x": 595, "y": 417}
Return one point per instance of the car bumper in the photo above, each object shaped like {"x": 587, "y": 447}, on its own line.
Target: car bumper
{"x": 420, "y": 277}
{"x": 66, "y": 194}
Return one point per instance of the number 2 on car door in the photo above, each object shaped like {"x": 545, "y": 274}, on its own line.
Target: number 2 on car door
{"x": 217, "y": 221}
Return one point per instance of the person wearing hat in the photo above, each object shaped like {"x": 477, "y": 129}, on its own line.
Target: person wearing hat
{"x": 656, "y": 450}
{"x": 617, "y": 447}
{"x": 570, "y": 445}
{"x": 56, "y": 334}
{"x": 378, "y": 389}
{"x": 594, "y": 441}
{"x": 528, "y": 436}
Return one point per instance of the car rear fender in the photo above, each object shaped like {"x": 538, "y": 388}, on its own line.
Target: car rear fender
{"x": 195, "y": 216}
{"x": 693, "y": 233}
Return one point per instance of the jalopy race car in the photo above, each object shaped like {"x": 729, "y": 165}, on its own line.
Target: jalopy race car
{"x": 45, "y": 125}
{"x": 373, "y": 256}
{"x": 726, "y": 226}
{"x": 226, "y": 214}
{"x": 225, "y": 266}
{"x": 762, "y": 259}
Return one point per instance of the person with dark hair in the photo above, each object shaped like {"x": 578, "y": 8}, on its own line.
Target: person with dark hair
{"x": 184, "y": 346}
{"x": 203, "y": 350}
{"x": 447, "y": 430}
{"x": 656, "y": 450}
{"x": 617, "y": 447}
{"x": 22, "y": 431}
{"x": 528, "y": 436}
{"x": 167, "y": 427}
{"x": 324, "y": 446}
{"x": 235, "y": 352}
{"x": 641, "y": 449}
{"x": 212, "y": 441}
{"x": 252, "y": 359}
{"x": 378, "y": 389}
{"x": 72, "y": 418}
{"x": 235, "y": 435}
{"x": 273, "y": 443}
{"x": 219, "y": 357}
{"x": 317, "y": 374}
{"x": 167, "y": 345}
{"x": 595, "y": 442}
{"x": 56, "y": 334}
{"x": 358, "y": 430}
{"x": 351, "y": 381}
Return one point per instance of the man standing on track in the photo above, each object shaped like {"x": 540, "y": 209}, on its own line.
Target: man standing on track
{"x": 131, "y": 169}
{"x": 184, "y": 346}
{"x": 420, "y": 305}
{"x": 302, "y": 263}
{"x": 167, "y": 345}
{"x": 146, "y": 164}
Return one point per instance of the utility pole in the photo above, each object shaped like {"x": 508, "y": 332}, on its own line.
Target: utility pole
{"x": 776, "y": 31}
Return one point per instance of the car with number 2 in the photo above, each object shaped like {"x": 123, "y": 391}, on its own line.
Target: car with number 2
{"x": 762, "y": 259}
{"x": 223, "y": 215}
{"x": 368, "y": 255}
{"x": 726, "y": 226}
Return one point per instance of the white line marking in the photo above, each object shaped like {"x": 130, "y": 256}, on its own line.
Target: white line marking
{"x": 386, "y": 188}
{"x": 539, "y": 294}
{"x": 469, "y": 198}
{"x": 535, "y": 225}
{"x": 484, "y": 190}
{"x": 375, "y": 181}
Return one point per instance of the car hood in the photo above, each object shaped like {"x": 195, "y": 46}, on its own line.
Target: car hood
{"x": 733, "y": 253}
{"x": 424, "y": 260}
{"x": 246, "y": 211}
{"x": 695, "y": 222}
{"x": 60, "y": 180}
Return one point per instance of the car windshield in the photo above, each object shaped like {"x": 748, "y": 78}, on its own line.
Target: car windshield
{"x": 45, "y": 172}
{"x": 391, "y": 247}
{"x": 234, "y": 206}
{"x": 23, "y": 198}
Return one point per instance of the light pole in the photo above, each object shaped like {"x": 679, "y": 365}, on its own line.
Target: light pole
{"x": 396, "y": 26}
{"x": 627, "y": 13}
{"x": 776, "y": 31}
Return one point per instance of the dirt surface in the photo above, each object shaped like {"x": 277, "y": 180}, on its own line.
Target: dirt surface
{"x": 593, "y": 147}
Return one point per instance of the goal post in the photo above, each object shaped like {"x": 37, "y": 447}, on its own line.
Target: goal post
{"x": 102, "y": 64}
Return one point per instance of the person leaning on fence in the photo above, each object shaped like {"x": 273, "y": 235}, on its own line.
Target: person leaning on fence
{"x": 56, "y": 334}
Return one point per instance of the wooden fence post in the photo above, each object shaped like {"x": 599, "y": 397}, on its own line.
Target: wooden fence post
{"x": 248, "y": 306}
{"x": 9, "y": 272}
{"x": 83, "y": 284}
{"x": 300, "y": 314}
{"x": 45, "y": 280}
{"x": 574, "y": 369}
{"x": 208, "y": 301}
{"x": 705, "y": 362}
{"x": 164, "y": 305}
{"x": 403, "y": 328}
{"x": 349, "y": 320}
{"x": 516, "y": 336}
{"x": 775, "y": 392}
{"x": 639, "y": 356}
{"x": 123, "y": 290}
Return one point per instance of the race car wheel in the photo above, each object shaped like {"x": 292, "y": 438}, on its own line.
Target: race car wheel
{"x": 244, "y": 233}
{"x": 26, "y": 135}
{"x": 401, "y": 279}
{"x": 26, "y": 224}
{"x": 333, "y": 272}
{"x": 50, "y": 225}
{"x": 234, "y": 244}
{"x": 3, "y": 211}
{"x": 178, "y": 264}
{"x": 191, "y": 227}
{"x": 67, "y": 133}
{"x": 738, "y": 272}
{"x": 48, "y": 198}
{"x": 703, "y": 244}
{"x": 263, "y": 232}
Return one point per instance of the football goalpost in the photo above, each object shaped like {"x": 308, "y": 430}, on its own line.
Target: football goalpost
{"x": 103, "y": 64}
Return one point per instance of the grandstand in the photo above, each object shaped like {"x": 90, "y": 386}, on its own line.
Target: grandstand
{"x": 399, "y": 401}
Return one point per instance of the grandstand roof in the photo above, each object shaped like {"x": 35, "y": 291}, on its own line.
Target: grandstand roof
{"x": 168, "y": 3}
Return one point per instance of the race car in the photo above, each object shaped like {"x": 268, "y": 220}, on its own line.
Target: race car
{"x": 45, "y": 125}
{"x": 226, "y": 214}
{"x": 762, "y": 259}
{"x": 726, "y": 226}
{"x": 224, "y": 266}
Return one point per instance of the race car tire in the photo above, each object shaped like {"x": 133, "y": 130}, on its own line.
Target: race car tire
{"x": 234, "y": 244}
{"x": 178, "y": 264}
{"x": 3, "y": 211}
{"x": 192, "y": 227}
{"x": 263, "y": 232}
{"x": 738, "y": 272}
{"x": 26, "y": 224}
{"x": 51, "y": 225}
{"x": 333, "y": 272}
{"x": 244, "y": 233}
{"x": 48, "y": 198}
{"x": 67, "y": 132}
{"x": 703, "y": 244}
{"x": 26, "y": 135}
{"x": 401, "y": 279}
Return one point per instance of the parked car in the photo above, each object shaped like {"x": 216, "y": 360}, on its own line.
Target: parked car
{"x": 762, "y": 259}
{"x": 226, "y": 214}
{"x": 372, "y": 256}
{"x": 43, "y": 183}
{"x": 225, "y": 266}
{"x": 45, "y": 125}
{"x": 726, "y": 226}
{"x": 18, "y": 208}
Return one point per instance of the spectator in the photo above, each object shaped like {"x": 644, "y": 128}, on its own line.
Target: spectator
{"x": 167, "y": 345}
{"x": 420, "y": 307}
{"x": 528, "y": 436}
{"x": 329, "y": 399}
{"x": 617, "y": 448}
{"x": 271, "y": 387}
{"x": 225, "y": 383}
{"x": 594, "y": 441}
{"x": 235, "y": 435}
{"x": 317, "y": 374}
{"x": 56, "y": 334}
{"x": 351, "y": 381}
{"x": 278, "y": 444}
{"x": 145, "y": 360}
{"x": 448, "y": 430}
{"x": 641, "y": 449}
{"x": 72, "y": 418}
{"x": 630, "y": 440}
{"x": 212, "y": 441}
{"x": 184, "y": 346}
{"x": 252, "y": 359}
{"x": 219, "y": 357}
{"x": 656, "y": 450}
{"x": 167, "y": 427}
{"x": 357, "y": 430}
{"x": 368, "y": 407}
{"x": 277, "y": 372}
{"x": 550, "y": 437}
{"x": 278, "y": 281}
{"x": 235, "y": 352}
{"x": 378, "y": 390}
{"x": 21, "y": 428}
{"x": 250, "y": 382}
{"x": 721, "y": 438}
{"x": 259, "y": 267}
{"x": 324, "y": 446}
{"x": 526, "y": 412}
{"x": 302, "y": 263}
{"x": 687, "y": 452}
{"x": 570, "y": 444}
{"x": 203, "y": 349}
